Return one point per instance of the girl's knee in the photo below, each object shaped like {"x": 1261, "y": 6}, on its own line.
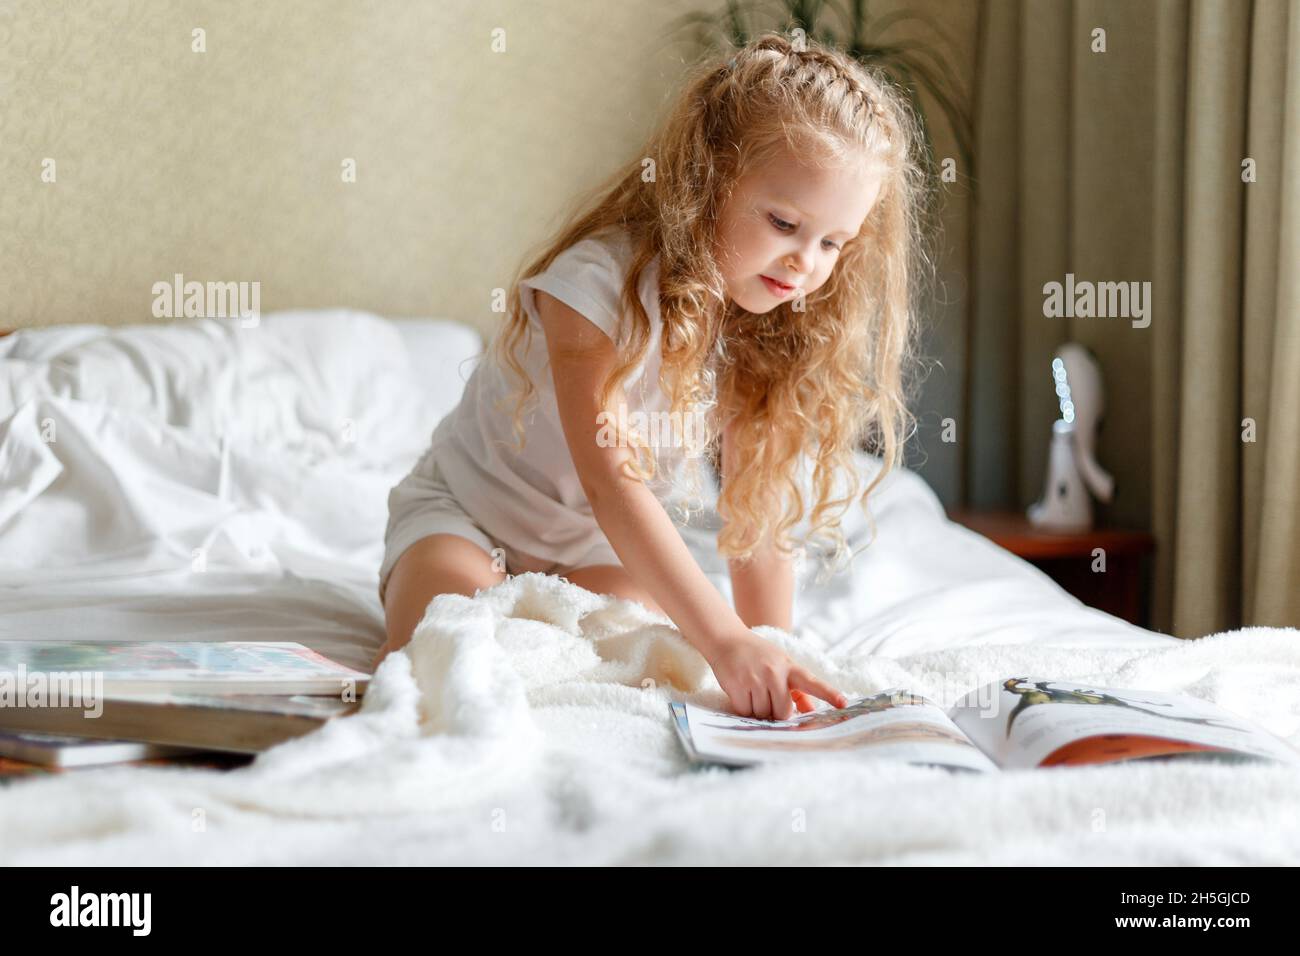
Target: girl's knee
{"x": 438, "y": 564}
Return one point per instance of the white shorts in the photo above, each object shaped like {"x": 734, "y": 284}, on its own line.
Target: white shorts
{"x": 421, "y": 504}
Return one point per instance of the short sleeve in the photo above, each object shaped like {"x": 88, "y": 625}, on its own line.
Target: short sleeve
{"x": 588, "y": 277}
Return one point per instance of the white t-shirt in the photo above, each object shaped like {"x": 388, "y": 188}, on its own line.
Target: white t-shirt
{"x": 533, "y": 499}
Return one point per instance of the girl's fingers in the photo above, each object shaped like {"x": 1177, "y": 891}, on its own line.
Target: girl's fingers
{"x": 801, "y": 680}
{"x": 781, "y": 705}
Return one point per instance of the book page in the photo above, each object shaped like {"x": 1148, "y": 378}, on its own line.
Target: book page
{"x": 1029, "y": 722}
{"x": 893, "y": 725}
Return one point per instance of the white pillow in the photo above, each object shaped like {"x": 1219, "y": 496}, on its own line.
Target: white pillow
{"x": 312, "y": 383}
{"x": 443, "y": 354}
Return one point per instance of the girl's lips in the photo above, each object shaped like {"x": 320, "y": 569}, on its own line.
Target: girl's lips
{"x": 776, "y": 288}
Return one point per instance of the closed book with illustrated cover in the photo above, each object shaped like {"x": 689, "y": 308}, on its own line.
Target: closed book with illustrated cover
{"x": 31, "y": 669}
{"x": 53, "y": 750}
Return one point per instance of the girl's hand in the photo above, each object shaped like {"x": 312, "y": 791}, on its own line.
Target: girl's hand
{"x": 761, "y": 681}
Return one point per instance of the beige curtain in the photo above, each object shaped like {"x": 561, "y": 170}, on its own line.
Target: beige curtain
{"x": 1127, "y": 165}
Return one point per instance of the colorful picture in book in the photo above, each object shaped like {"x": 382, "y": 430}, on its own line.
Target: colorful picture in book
{"x": 1033, "y": 693}
{"x": 88, "y": 656}
{"x": 1108, "y": 748}
{"x": 181, "y": 659}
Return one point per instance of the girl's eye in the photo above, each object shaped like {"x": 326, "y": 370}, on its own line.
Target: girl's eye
{"x": 784, "y": 226}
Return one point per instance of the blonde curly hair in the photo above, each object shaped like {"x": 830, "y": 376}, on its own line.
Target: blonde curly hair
{"x": 835, "y": 379}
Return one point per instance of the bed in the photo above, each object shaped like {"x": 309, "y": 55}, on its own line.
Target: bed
{"x": 202, "y": 480}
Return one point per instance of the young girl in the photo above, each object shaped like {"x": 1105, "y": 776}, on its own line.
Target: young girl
{"x": 750, "y": 273}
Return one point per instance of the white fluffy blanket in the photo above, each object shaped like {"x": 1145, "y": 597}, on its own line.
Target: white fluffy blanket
{"x": 530, "y": 725}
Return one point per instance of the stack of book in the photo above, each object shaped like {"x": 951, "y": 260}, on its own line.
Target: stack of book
{"x": 77, "y": 703}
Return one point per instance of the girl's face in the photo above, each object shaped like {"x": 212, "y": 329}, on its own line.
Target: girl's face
{"x": 786, "y": 222}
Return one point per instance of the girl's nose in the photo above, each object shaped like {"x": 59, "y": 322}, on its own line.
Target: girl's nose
{"x": 800, "y": 261}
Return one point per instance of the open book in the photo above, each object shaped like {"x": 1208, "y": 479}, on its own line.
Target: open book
{"x": 1012, "y": 724}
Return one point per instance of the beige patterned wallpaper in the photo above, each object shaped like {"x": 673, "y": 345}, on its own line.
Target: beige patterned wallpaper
{"x": 133, "y": 149}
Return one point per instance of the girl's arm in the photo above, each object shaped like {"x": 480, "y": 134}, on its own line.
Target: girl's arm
{"x": 756, "y": 675}
{"x": 632, "y": 518}
{"x": 763, "y": 586}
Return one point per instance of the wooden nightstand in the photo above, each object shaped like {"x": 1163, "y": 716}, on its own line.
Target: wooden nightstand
{"x": 1068, "y": 557}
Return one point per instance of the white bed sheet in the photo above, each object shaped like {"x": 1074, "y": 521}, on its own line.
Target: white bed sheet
{"x": 195, "y": 480}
